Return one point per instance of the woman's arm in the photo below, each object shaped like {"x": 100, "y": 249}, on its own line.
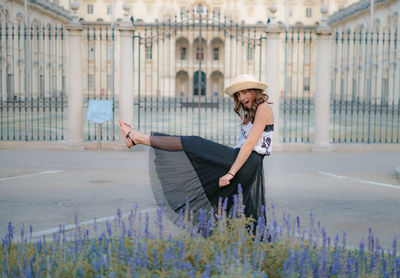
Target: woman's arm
{"x": 263, "y": 117}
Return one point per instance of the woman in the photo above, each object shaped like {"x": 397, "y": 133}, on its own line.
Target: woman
{"x": 195, "y": 172}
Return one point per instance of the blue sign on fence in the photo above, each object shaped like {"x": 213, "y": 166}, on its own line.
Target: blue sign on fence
{"x": 99, "y": 111}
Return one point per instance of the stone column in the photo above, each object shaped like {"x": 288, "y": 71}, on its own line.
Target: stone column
{"x": 126, "y": 31}
{"x": 273, "y": 73}
{"x": 323, "y": 85}
{"x": 75, "y": 91}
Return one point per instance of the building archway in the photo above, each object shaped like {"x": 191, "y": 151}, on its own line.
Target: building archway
{"x": 217, "y": 51}
{"x": 199, "y": 55}
{"x": 182, "y": 49}
{"x": 199, "y": 83}
{"x": 182, "y": 83}
{"x": 217, "y": 84}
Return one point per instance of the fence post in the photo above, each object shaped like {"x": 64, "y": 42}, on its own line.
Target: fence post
{"x": 126, "y": 31}
{"x": 273, "y": 32}
{"x": 75, "y": 91}
{"x": 323, "y": 85}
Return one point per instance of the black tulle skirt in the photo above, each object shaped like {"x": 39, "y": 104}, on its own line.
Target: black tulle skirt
{"x": 189, "y": 178}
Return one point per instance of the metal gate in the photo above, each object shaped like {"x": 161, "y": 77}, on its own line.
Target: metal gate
{"x": 365, "y": 98}
{"x": 181, "y": 67}
{"x": 32, "y": 82}
{"x": 297, "y": 100}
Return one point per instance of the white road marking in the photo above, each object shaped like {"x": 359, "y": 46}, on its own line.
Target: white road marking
{"x": 70, "y": 227}
{"x": 358, "y": 180}
{"x": 30, "y": 175}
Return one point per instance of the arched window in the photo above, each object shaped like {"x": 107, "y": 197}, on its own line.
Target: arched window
{"x": 199, "y": 84}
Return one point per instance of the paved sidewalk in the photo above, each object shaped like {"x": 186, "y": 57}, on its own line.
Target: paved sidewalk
{"x": 345, "y": 191}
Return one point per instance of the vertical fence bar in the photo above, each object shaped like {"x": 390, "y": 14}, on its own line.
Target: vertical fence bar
{"x": 1, "y": 80}
{"x": 386, "y": 87}
{"x": 395, "y": 50}
{"x": 376, "y": 66}
{"x": 37, "y": 80}
{"x": 398, "y": 90}
{"x": 14, "y": 87}
{"x": 20, "y": 80}
{"x": 382, "y": 106}
{"x": 353, "y": 72}
{"x": 26, "y": 118}
{"x": 285, "y": 86}
{"x": 346, "y": 85}
{"x": 55, "y": 80}
{"x": 63, "y": 42}
{"x": 50, "y": 77}
{"x": 88, "y": 74}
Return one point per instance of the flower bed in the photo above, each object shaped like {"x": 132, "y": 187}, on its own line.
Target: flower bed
{"x": 217, "y": 246}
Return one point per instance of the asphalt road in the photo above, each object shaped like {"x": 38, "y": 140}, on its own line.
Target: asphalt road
{"x": 349, "y": 192}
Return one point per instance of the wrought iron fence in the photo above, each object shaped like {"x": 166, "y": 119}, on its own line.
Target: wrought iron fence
{"x": 181, "y": 67}
{"x": 99, "y": 59}
{"x": 32, "y": 82}
{"x": 365, "y": 98}
{"x": 297, "y": 103}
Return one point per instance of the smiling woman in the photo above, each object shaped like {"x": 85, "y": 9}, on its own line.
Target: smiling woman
{"x": 195, "y": 173}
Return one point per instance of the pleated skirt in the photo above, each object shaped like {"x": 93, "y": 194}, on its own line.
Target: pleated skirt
{"x": 188, "y": 179}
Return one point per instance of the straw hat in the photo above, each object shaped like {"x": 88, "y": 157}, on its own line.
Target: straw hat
{"x": 243, "y": 82}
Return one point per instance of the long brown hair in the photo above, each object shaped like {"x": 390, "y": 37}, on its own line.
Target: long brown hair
{"x": 245, "y": 113}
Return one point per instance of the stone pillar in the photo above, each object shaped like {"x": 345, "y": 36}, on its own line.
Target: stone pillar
{"x": 273, "y": 73}
{"x": 323, "y": 85}
{"x": 75, "y": 91}
{"x": 126, "y": 31}
{"x": 227, "y": 65}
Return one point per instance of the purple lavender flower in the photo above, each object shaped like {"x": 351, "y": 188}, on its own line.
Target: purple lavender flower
{"x": 344, "y": 240}
{"x": 207, "y": 271}
{"x": 235, "y": 206}
{"x": 28, "y": 271}
{"x": 22, "y": 233}
{"x": 394, "y": 255}
{"x": 156, "y": 264}
{"x": 10, "y": 234}
{"x": 225, "y": 204}
{"x": 124, "y": 232}
{"x": 95, "y": 226}
{"x": 370, "y": 240}
{"x": 298, "y": 225}
{"x": 160, "y": 222}
{"x": 146, "y": 229}
{"x": 109, "y": 228}
{"x": 119, "y": 214}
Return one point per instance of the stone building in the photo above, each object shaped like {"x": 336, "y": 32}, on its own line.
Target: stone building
{"x": 352, "y": 25}
{"x": 182, "y": 52}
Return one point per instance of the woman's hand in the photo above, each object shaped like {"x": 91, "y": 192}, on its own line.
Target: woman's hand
{"x": 225, "y": 180}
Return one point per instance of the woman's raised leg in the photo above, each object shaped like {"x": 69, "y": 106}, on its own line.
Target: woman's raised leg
{"x": 134, "y": 137}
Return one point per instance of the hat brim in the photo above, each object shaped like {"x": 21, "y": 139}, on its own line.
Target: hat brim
{"x": 239, "y": 86}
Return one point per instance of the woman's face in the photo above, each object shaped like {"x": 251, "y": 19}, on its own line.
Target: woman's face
{"x": 246, "y": 97}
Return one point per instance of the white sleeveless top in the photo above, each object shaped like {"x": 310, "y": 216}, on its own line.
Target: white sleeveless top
{"x": 263, "y": 145}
